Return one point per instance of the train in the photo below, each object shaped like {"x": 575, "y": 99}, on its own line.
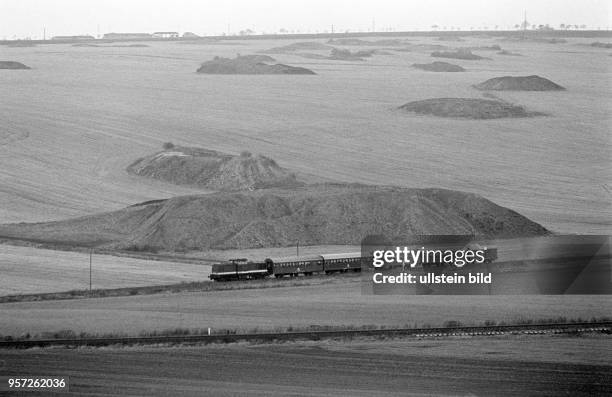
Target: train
{"x": 289, "y": 266}
{"x": 293, "y": 266}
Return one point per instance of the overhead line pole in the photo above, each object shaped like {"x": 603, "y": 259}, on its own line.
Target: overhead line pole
{"x": 90, "y": 260}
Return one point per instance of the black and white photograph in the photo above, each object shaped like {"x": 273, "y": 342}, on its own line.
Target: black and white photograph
{"x": 305, "y": 198}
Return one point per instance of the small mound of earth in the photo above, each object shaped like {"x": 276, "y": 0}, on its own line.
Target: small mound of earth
{"x": 467, "y": 108}
{"x": 247, "y": 65}
{"x": 346, "y": 55}
{"x": 256, "y": 58}
{"x": 494, "y": 47}
{"x": 111, "y": 46}
{"x": 299, "y": 46}
{"x": 519, "y": 83}
{"x": 214, "y": 170}
{"x": 12, "y": 65}
{"x": 535, "y": 40}
{"x": 19, "y": 44}
{"x": 128, "y": 45}
{"x": 421, "y": 47}
{"x": 360, "y": 42}
{"x": 338, "y": 54}
{"x": 458, "y": 54}
{"x": 450, "y": 38}
{"x": 438, "y": 67}
{"x": 510, "y": 53}
{"x": 601, "y": 45}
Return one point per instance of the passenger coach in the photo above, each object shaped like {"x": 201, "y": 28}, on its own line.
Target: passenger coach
{"x": 295, "y": 265}
{"x": 347, "y": 262}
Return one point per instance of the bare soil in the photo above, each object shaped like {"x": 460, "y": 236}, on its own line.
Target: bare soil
{"x": 388, "y": 368}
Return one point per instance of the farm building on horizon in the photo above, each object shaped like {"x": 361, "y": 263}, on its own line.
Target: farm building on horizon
{"x": 79, "y": 37}
{"x": 129, "y": 36}
{"x": 166, "y": 35}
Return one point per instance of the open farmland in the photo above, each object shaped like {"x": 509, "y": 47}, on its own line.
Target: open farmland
{"x": 81, "y": 115}
{"x": 27, "y": 270}
{"x": 337, "y": 301}
{"x": 30, "y": 270}
{"x": 464, "y": 366}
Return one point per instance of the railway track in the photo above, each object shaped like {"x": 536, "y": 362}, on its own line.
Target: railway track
{"x": 490, "y": 330}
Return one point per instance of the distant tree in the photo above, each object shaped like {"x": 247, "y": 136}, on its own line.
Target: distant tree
{"x": 168, "y": 145}
{"x": 517, "y": 26}
{"x": 562, "y": 26}
{"x": 583, "y": 26}
{"x": 434, "y": 27}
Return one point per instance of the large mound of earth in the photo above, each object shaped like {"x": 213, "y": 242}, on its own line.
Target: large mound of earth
{"x": 12, "y": 65}
{"x": 313, "y": 215}
{"x": 438, "y": 67}
{"x": 248, "y": 65}
{"x": 519, "y": 83}
{"x": 469, "y": 108}
{"x": 458, "y": 54}
{"x": 214, "y": 170}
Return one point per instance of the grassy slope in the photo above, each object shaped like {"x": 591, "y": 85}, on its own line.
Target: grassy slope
{"x": 81, "y": 115}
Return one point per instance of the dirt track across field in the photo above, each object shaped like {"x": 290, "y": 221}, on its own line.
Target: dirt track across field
{"x": 476, "y": 367}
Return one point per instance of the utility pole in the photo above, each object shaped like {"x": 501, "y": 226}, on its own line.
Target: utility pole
{"x": 297, "y": 247}
{"x": 90, "y": 260}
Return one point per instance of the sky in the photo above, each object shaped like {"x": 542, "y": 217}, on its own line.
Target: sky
{"x": 28, "y": 18}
